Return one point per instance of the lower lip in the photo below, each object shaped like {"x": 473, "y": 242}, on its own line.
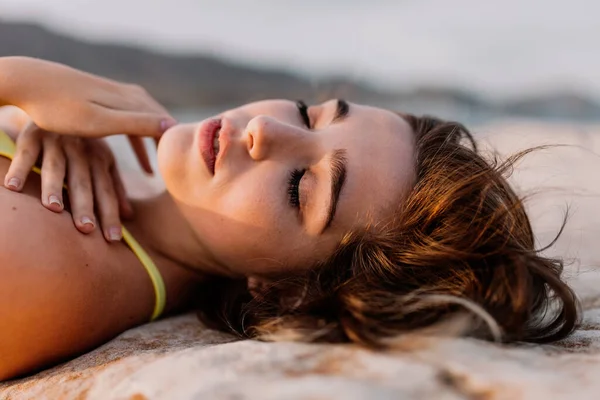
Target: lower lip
{"x": 207, "y": 132}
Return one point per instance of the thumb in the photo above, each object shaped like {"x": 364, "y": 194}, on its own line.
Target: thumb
{"x": 140, "y": 124}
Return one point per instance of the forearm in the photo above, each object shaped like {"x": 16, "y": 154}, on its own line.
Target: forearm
{"x": 9, "y": 79}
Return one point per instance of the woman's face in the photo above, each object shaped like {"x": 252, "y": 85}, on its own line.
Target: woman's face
{"x": 283, "y": 194}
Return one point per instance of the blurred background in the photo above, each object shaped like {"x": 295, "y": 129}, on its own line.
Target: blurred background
{"x": 469, "y": 60}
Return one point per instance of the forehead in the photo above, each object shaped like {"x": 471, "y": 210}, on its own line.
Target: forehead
{"x": 380, "y": 149}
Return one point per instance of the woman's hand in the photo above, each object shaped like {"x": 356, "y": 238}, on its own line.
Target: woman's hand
{"x": 90, "y": 169}
{"x": 67, "y": 101}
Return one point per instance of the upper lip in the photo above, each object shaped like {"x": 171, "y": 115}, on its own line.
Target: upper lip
{"x": 224, "y": 139}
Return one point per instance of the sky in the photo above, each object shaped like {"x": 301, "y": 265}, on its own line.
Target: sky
{"x": 497, "y": 48}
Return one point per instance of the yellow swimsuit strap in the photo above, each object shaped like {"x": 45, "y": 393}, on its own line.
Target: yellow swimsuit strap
{"x": 157, "y": 281}
{"x": 7, "y": 149}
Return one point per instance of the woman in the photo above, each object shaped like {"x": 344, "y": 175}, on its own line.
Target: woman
{"x": 335, "y": 222}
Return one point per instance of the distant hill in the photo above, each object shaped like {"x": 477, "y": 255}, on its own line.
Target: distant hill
{"x": 177, "y": 81}
{"x": 204, "y": 81}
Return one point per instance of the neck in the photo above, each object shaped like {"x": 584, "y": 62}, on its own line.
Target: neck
{"x": 161, "y": 227}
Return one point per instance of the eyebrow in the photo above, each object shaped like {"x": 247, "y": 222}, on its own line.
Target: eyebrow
{"x": 338, "y": 165}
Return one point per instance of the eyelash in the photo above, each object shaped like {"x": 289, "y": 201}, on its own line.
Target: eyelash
{"x": 303, "y": 110}
{"x": 294, "y": 186}
{"x": 297, "y": 174}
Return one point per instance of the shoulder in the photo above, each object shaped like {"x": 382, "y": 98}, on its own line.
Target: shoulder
{"x": 32, "y": 236}
{"x": 61, "y": 292}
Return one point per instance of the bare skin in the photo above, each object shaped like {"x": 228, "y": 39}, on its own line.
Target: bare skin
{"x": 63, "y": 292}
{"x": 277, "y": 202}
{"x": 64, "y": 111}
{"x": 82, "y": 290}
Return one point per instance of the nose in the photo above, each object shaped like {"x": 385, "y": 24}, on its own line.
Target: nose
{"x": 268, "y": 137}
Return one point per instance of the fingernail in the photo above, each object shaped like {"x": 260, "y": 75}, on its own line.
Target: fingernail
{"x": 114, "y": 233}
{"x": 53, "y": 199}
{"x": 14, "y": 183}
{"x": 87, "y": 221}
{"x": 166, "y": 124}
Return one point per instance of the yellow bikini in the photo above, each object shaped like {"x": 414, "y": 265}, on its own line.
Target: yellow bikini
{"x": 7, "y": 149}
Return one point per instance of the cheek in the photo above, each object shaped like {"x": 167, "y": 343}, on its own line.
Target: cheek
{"x": 252, "y": 200}
{"x": 241, "y": 224}
{"x": 251, "y": 217}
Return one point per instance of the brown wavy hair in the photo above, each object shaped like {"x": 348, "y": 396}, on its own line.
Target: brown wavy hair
{"x": 460, "y": 246}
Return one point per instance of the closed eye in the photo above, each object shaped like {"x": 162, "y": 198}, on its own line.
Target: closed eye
{"x": 294, "y": 187}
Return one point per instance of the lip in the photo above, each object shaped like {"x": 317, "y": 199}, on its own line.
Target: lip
{"x": 207, "y": 132}
{"x": 225, "y": 135}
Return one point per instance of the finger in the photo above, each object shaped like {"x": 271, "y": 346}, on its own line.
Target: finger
{"x": 144, "y": 102}
{"x": 53, "y": 173}
{"x": 132, "y": 123}
{"x": 138, "y": 99}
{"x": 107, "y": 202}
{"x": 125, "y": 208}
{"x": 141, "y": 153}
{"x": 27, "y": 151}
{"x": 155, "y": 106}
{"x": 80, "y": 185}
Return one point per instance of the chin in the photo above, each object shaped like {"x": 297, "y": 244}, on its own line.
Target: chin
{"x": 173, "y": 153}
